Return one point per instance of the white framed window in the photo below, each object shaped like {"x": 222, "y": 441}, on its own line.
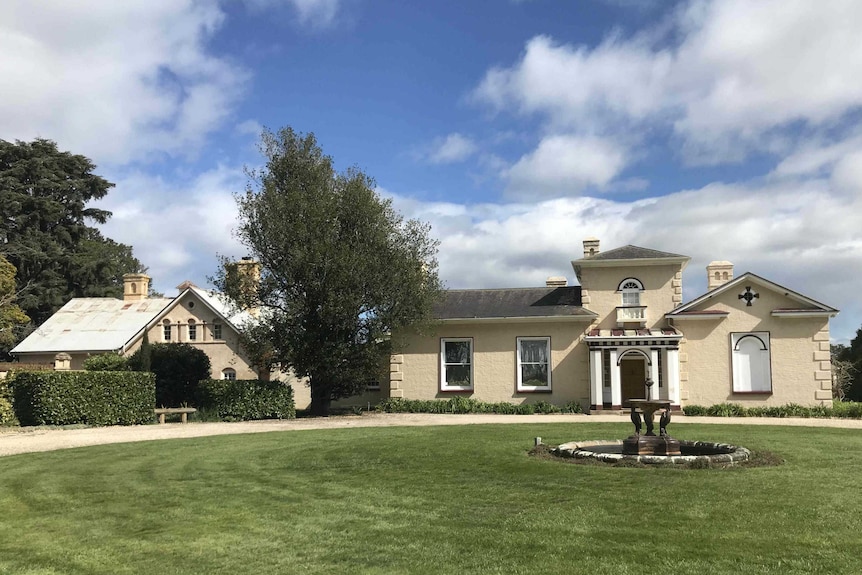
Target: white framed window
{"x": 193, "y": 330}
{"x": 534, "y": 364}
{"x": 456, "y": 364}
{"x": 228, "y": 373}
{"x": 166, "y": 330}
{"x": 752, "y": 366}
{"x": 216, "y": 330}
{"x": 630, "y": 289}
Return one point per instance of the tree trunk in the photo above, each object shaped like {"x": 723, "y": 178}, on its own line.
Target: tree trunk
{"x": 320, "y": 398}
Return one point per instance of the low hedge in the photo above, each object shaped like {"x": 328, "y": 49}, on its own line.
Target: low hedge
{"x": 842, "y": 409}
{"x": 459, "y": 404}
{"x": 7, "y": 414}
{"x": 245, "y": 399}
{"x": 88, "y": 397}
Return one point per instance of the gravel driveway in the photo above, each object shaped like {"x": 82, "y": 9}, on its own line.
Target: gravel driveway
{"x": 32, "y": 439}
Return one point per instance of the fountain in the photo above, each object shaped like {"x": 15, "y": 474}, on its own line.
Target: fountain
{"x": 651, "y": 448}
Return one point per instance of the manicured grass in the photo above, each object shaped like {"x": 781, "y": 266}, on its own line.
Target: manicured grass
{"x": 462, "y": 499}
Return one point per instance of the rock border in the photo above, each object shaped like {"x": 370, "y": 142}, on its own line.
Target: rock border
{"x": 720, "y": 453}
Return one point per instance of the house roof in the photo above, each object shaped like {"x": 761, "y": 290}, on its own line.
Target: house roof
{"x": 808, "y": 305}
{"x": 512, "y": 303}
{"x": 631, "y": 252}
{"x": 108, "y": 324}
{"x": 92, "y": 324}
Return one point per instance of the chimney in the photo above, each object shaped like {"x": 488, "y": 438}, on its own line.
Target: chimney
{"x": 247, "y": 272}
{"x": 591, "y": 247}
{"x": 135, "y": 287}
{"x": 718, "y": 274}
{"x": 556, "y": 282}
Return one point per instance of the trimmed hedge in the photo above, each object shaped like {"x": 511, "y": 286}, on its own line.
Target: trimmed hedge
{"x": 88, "y": 397}
{"x": 7, "y": 414}
{"x": 839, "y": 409}
{"x": 245, "y": 399}
{"x": 460, "y": 404}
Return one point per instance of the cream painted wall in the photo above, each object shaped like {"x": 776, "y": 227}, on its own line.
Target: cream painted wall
{"x": 416, "y": 371}
{"x": 662, "y": 291}
{"x": 801, "y": 371}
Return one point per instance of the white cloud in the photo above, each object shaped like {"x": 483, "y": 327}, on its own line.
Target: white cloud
{"x": 453, "y": 148}
{"x": 564, "y": 165}
{"x": 313, "y": 13}
{"x": 177, "y": 229}
{"x": 116, "y": 81}
{"x": 728, "y": 77}
{"x": 796, "y": 233}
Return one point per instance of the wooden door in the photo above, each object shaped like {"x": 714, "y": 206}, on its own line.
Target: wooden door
{"x": 632, "y": 378}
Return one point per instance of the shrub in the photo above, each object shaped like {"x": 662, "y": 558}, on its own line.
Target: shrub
{"x": 7, "y": 414}
{"x": 245, "y": 399}
{"x": 88, "y": 397}
{"x": 459, "y": 404}
{"x": 106, "y": 362}
{"x": 726, "y": 410}
{"x": 178, "y": 368}
{"x": 694, "y": 410}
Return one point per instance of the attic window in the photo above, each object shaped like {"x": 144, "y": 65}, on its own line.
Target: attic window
{"x": 191, "y": 304}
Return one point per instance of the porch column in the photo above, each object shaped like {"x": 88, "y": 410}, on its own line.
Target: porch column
{"x": 616, "y": 387}
{"x": 657, "y": 392}
{"x": 596, "y": 370}
{"x": 672, "y": 379}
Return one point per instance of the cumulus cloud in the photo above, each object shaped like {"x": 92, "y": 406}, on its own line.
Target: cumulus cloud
{"x": 453, "y": 148}
{"x": 797, "y": 233}
{"x": 176, "y": 229}
{"x": 115, "y": 81}
{"x": 314, "y": 13}
{"x": 728, "y": 77}
{"x": 564, "y": 165}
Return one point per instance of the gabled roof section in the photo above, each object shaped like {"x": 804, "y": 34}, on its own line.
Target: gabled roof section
{"x": 629, "y": 255}
{"x": 92, "y": 324}
{"x": 631, "y": 252}
{"x": 807, "y": 305}
{"x": 512, "y": 303}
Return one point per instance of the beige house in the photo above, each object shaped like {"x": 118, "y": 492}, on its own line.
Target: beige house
{"x": 198, "y": 317}
{"x": 746, "y": 340}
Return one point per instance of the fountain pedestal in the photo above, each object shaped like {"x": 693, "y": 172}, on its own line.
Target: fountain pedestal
{"x": 650, "y": 443}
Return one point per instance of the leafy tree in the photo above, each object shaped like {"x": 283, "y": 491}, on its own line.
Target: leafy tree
{"x": 44, "y": 229}
{"x": 106, "y": 362}
{"x": 341, "y": 270}
{"x": 178, "y": 368}
{"x": 12, "y": 318}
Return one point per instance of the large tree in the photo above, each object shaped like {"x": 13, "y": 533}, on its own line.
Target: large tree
{"x": 45, "y": 229}
{"x": 341, "y": 270}
{"x": 12, "y": 318}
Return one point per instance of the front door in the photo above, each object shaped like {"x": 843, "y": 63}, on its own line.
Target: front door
{"x": 633, "y": 374}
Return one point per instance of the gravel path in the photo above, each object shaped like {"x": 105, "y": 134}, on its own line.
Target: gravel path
{"x": 32, "y": 439}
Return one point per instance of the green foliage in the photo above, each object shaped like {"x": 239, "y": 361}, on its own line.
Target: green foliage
{"x": 459, "y": 404}
{"x": 145, "y": 359}
{"x": 246, "y": 399}
{"x": 88, "y": 397}
{"x": 341, "y": 269}
{"x": 725, "y": 410}
{"x": 178, "y": 368}
{"x": 842, "y": 409}
{"x": 106, "y": 362}
{"x": 12, "y": 318}
{"x": 7, "y": 413}
{"x": 44, "y": 229}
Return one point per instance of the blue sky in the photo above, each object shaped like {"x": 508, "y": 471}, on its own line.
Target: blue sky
{"x": 723, "y": 130}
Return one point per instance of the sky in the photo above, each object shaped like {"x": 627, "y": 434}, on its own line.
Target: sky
{"x": 717, "y": 129}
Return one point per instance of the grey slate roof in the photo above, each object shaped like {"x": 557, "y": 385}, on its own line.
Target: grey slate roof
{"x": 631, "y": 252}
{"x": 511, "y": 302}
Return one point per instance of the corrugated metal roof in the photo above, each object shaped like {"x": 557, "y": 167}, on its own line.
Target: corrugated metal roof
{"x": 219, "y": 303}
{"x": 92, "y": 324}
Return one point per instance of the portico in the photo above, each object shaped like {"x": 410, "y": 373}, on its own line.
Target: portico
{"x": 621, "y": 360}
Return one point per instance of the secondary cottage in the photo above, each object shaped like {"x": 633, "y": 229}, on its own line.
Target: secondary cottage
{"x": 746, "y": 340}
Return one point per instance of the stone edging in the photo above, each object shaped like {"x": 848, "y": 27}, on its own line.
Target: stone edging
{"x": 723, "y": 453}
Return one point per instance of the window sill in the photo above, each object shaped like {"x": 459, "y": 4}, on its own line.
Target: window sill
{"x": 540, "y": 390}
{"x": 769, "y": 392}
{"x": 456, "y": 390}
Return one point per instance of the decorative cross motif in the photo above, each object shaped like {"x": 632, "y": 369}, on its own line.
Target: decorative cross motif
{"x": 749, "y": 296}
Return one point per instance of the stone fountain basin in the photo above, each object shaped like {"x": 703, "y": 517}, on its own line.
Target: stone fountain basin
{"x": 691, "y": 451}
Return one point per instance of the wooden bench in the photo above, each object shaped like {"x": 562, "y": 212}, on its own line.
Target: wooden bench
{"x": 183, "y": 411}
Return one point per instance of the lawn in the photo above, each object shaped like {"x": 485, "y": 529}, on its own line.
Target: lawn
{"x": 464, "y": 499}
